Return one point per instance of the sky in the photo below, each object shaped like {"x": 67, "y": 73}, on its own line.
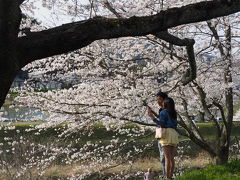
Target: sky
{"x": 51, "y": 17}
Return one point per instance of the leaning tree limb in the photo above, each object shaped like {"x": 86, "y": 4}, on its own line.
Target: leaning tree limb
{"x": 72, "y": 36}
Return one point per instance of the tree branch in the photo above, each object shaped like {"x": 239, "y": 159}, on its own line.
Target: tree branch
{"x": 20, "y": 1}
{"x": 205, "y": 106}
{"x": 76, "y": 35}
{"x": 191, "y": 73}
{"x": 216, "y": 36}
{"x": 221, "y": 109}
{"x": 203, "y": 144}
{"x": 110, "y": 8}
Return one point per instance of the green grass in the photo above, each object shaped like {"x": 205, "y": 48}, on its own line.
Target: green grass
{"x": 236, "y": 108}
{"x": 26, "y": 124}
{"x": 230, "y": 171}
{"x": 209, "y": 130}
{"x": 13, "y": 94}
{"x": 100, "y": 132}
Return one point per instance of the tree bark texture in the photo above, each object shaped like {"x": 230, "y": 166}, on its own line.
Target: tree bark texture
{"x": 10, "y": 17}
{"x": 226, "y": 140}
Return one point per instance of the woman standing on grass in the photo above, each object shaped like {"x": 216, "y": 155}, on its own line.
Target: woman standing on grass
{"x": 168, "y": 119}
{"x": 160, "y": 99}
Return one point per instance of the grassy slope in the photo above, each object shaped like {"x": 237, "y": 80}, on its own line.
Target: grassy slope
{"x": 100, "y": 134}
{"x": 230, "y": 171}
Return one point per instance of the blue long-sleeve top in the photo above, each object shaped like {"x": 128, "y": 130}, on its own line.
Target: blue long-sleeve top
{"x": 165, "y": 120}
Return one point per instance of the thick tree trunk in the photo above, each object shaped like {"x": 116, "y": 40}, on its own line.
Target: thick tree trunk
{"x": 10, "y": 17}
{"x": 223, "y": 142}
{"x": 221, "y": 156}
{"x": 226, "y": 131}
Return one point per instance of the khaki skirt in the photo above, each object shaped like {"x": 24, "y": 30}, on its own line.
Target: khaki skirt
{"x": 171, "y": 138}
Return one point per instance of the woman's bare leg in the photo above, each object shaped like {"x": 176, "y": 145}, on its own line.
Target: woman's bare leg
{"x": 173, "y": 153}
{"x": 169, "y": 152}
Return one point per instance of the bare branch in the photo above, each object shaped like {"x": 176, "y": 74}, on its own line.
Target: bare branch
{"x": 195, "y": 139}
{"x": 202, "y": 95}
{"x": 216, "y": 36}
{"x": 110, "y": 8}
{"x": 189, "y": 43}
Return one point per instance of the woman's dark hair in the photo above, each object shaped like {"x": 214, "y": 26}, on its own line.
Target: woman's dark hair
{"x": 162, "y": 94}
{"x": 169, "y": 105}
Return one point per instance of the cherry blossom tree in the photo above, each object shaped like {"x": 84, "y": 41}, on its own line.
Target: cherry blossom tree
{"x": 114, "y": 85}
{"x": 115, "y": 76}
{"x": 214, "y": 87}
{"x": 16, "y": 52}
